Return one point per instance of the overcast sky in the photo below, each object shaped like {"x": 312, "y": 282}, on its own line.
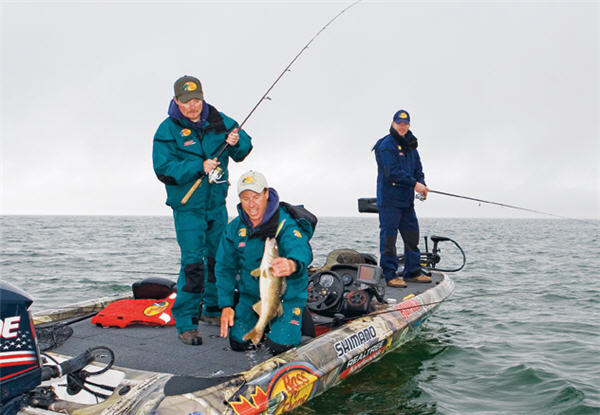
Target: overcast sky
{"x": 504, "y": 98}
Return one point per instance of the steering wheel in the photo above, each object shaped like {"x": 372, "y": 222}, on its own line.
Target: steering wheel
{"x": 325, "y": 290}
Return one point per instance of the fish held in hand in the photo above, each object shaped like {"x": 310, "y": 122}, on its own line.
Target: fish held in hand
{"x": 271, "y": 288}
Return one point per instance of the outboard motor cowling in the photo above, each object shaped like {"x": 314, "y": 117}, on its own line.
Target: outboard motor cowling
{"x": 20, "y": 365}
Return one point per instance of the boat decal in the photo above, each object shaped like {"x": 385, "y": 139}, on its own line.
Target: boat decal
{"x": 408, "y": 307}
{"x": 351, "y": 342}
{"x": 156, "y": 308}
{"x": 289, "y": 387}
{"x": 258, "y": 403}
{"x": 17, "y": 348}
{"x": 365, "y": 357}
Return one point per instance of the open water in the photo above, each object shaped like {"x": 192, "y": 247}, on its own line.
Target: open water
{"x": 528, "y": 343}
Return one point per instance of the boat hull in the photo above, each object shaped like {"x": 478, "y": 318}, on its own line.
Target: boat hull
{"x": 276, "y": 385}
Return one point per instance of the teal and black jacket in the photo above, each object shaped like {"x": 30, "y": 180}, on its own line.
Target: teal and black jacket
{"x": 242, "y": 247}
{"x": 180, "y": 148}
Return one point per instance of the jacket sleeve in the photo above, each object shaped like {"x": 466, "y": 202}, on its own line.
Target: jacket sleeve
{"x": 239, "y": 151}
{"x": 226, "y": 268}
{"x": 170, "y": 168}
{"x": 389, "y": 159}
{"x": 419, "y": 170}
{"x": 293, "y": 244}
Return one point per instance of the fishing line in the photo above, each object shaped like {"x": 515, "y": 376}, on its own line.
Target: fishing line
{"x": 265, "y": 97}
{"x": 144, "y": 272}
{"x": 408, "y": 307}
{"x": 495, "y": 203}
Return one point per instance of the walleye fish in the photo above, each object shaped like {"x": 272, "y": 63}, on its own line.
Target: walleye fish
{"x": 271, "y": 288}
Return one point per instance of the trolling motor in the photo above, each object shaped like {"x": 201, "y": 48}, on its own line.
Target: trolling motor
{"x": 21, "y": 368}
{"x": 429, "y": 260}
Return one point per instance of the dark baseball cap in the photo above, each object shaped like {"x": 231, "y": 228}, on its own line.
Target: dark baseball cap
{"x": 188, "y": 87}
{"x": 401, "y": 117}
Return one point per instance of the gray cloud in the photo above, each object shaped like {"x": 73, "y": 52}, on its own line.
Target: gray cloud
{"x": 504, "y": 99}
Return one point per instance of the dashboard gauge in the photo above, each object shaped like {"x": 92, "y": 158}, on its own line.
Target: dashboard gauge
{"x": 347, "y": 279}
{"x": 326, "y": 280}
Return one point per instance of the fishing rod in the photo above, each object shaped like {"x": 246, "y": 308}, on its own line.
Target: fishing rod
{"x": 494, "y": 203}
{"x": 410, "y": 306}
{"x": 197, "y": 183}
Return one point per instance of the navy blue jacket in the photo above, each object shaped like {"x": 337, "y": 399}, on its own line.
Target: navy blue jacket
{"x": 398, "y": 169}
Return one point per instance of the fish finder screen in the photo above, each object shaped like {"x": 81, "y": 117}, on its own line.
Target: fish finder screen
{"x": 366, "y": 274}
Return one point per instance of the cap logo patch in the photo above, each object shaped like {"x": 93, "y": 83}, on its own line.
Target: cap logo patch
{"x": 248, "y": 180}
{"x": 185, "y": 132}
{"x": 190, "y": 86}
{"x": 403, "y": 115}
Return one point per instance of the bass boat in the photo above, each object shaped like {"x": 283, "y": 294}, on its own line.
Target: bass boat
{"x": 70, "y": 360}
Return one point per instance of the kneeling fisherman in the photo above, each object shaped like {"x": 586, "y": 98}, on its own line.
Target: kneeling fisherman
{"x": 263, "y": 220}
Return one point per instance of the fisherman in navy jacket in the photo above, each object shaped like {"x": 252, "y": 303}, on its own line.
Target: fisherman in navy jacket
{"x": 399, "y": 176}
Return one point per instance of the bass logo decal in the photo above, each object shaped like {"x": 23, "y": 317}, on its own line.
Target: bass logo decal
{"x": 190, "y": 86}
{"x": 293, "y": 385}
{"x": 289, "y": 388}
{"x": 355, "y": 340}
{"x": 185, "y": 132}
{"x": 156, "y": 308}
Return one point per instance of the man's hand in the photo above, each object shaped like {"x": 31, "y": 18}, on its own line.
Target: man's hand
{"x": 233, "y": 137}
{"x": 227, "y": 315}
{"x": 209, "y": 165}
{"x": 421, "y": 188}
{"x": 282, "y": 267}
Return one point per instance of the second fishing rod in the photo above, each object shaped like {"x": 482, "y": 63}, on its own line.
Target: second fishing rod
{"x": 217, "y": 173}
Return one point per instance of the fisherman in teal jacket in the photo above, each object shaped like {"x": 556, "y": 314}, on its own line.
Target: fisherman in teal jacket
{"x": 262, "y": 215}
{"x": 185, "y": 145}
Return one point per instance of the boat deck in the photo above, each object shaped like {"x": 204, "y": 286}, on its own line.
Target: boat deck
{"x": 158, "y": 349}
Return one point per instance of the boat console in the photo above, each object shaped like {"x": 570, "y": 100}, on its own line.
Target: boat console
{"x": 346, "y": 289}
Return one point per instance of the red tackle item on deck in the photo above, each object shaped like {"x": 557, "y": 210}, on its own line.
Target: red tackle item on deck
{"x": 124, "y": 313}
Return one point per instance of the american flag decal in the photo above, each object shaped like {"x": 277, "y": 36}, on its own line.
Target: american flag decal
{"x": 17, "y": 358}
{"x": 18, "y": 353}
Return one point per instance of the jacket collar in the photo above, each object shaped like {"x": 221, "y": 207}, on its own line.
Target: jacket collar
{"x": 270, "y": 222}
{"x": 407, "y": 141}
{"x": 209, "y": 117}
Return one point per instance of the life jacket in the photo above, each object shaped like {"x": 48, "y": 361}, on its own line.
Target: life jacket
{"x": 124, "y": 313}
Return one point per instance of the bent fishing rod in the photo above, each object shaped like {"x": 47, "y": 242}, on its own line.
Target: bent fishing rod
{"x": 198, "y": 182}
{"x": 494, "y": 203}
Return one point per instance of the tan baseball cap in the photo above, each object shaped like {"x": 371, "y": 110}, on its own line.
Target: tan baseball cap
{"x": 252, "y": 180}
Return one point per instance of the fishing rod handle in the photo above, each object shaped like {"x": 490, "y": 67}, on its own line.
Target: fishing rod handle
{"x": 190, "y": 192}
